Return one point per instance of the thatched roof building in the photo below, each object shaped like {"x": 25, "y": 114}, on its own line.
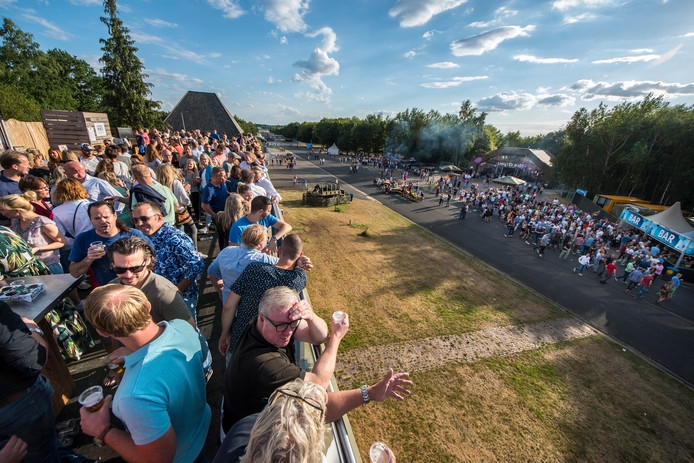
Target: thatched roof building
{"x": 204, "y": 111}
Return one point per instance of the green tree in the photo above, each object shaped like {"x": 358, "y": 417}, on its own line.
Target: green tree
{"x": 126, "y": 92}
{"x": 14, "y": 104}
{"x": 79, "y": 80}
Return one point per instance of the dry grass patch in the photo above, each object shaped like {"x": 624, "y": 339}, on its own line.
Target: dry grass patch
{"x": 400, "y": 282}
{"x": 586, "y": 400}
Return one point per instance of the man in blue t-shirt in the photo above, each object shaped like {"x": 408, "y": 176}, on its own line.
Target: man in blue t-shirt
{"x": 107, "y": 230}
{"x": 215, "y": 194}
{"x": 161, "y": 398}
{"x": 261, "y": 207}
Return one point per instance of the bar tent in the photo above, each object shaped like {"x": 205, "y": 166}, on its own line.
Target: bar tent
{"x": 667, "y": 227}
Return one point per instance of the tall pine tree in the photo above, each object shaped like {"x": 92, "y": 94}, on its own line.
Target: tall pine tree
{"x": 126, "y": 92}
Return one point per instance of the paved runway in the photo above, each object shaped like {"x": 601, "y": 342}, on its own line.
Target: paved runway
{"x": 663, "y": 334}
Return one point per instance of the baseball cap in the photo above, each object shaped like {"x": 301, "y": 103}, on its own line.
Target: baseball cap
{"x": 86, "y": 146}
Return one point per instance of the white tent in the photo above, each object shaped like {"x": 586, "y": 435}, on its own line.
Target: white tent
{"x": 333, "y": 150}
{"x": 672, "y": 218}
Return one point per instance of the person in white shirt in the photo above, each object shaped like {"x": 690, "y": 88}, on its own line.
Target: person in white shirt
{"x": 262, "y": 181}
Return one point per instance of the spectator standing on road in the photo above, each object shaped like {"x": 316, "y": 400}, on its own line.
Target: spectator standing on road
{"x": 645, "y": 283}
{"x": 583, "y": 261}
{"x": 634, "y": 279}
{"x": 627, "y": 271}
{"x": 610, "y": 270}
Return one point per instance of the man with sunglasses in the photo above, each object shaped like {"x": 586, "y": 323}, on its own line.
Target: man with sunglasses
{"x": 132, "y": 260}
{"x": 177, "y": 259}
{"x": 265, "y": 360}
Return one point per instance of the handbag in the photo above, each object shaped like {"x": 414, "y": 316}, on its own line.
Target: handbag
{"x": 183, "y": 217}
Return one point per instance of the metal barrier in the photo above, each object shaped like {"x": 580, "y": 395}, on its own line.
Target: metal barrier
{"x": 339, "y": 441}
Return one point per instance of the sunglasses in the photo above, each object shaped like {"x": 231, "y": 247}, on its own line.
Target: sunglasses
{"x": 122, "y": 270}
{"x": 143, "y": 219}
{"x": 307, "y": 400}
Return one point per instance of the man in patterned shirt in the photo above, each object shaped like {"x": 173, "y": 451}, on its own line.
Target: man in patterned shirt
{"x": 177, "y": 259}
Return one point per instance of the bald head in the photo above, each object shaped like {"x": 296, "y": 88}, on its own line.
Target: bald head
{"x": 75, "y": 170}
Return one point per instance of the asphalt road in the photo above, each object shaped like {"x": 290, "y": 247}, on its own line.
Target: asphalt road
{"x": 662, "y": 334}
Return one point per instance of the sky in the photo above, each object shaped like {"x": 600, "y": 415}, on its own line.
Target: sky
{"x": 529, "y": 64}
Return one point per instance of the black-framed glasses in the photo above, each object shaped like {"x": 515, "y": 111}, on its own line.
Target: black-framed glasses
{"x": 143, "y": 218}
{"x": 282, "y": 327}
{"x": 136, "y": 269}
{"x": 307, "y": 400}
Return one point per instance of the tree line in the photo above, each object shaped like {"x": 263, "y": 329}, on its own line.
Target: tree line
{"x": 641, "y": 149}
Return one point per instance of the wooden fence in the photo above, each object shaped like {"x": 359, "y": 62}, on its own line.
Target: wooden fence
{"x": 24, "y": 135}
{"x": 71, "y": 129}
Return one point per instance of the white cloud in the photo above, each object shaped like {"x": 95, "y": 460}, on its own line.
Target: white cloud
{"x": 231, "y": 9}
{"x": 482, "y": 24}
{"x": 642, "y": 50}
{"x": 537, "y": 60}
{"x": 628, "y": 59}
{"x": 284, "y": 40}
{"x": 428, "y": 35}
{"x": 455, "y": 82}
{"x": 507, "y": 101}
{"x": 410, "y": 54}
{"x": 444, "y": 65}
{"x": 563, "y": 5}
{"x": 558, "y": 99}
{"x": 287, "y": 109}
{"x": 140, "y": 37}
{"x": 286, "y": 15}
{"x": 160, "y": 23}
{"x": 160, "y": 74}
{"x": 489, "y": 40}
{"x": 618, "y": 91}
{"x": 688, "y": 34}
{"x": 6, "y": 3}
{"x": 413, "y": 13}
{"x": 504, "y": 12}
{"x": 583, "y": 17}
{"x": 319, "y": 64}
{"x": 173, "y": 50}
{"x": 51, "y": 29}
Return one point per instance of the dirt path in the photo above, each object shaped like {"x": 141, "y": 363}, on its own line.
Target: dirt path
{"x": 424, "y": 354}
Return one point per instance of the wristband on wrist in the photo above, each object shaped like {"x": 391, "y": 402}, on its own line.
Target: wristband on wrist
{"x": 99, "y": 440}
{"x": 36, "y": 329}
{"x": 365, "y": 394}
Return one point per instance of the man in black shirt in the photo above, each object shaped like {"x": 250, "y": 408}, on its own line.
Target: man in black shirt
{"x": 26, "y": 408}
{"x": 265, "y": 360}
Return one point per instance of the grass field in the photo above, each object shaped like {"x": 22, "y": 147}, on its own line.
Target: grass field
{"x": 582, "y": 400}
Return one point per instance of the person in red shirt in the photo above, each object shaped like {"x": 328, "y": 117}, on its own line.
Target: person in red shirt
{"x": 645, "y": 282}
{"x": 610, "y": 268}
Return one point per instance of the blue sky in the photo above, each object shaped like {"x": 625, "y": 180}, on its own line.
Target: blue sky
{"x": 530, "y": 64}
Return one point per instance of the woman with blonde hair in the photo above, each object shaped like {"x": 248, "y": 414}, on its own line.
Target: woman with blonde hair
{"x": 234, "y": 208}
{"x": 40, "y": 232}
{"x": 289, "y": 430}
{"x": 192, "y": 181}
{"x": 70, "y": 215}
{"x": 152, "y": 157}
{"x": 171, "y": 178}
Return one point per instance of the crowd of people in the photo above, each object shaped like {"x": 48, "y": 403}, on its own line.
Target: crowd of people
{"x": 600, "y": 245}
{"x": 128, "y": 215}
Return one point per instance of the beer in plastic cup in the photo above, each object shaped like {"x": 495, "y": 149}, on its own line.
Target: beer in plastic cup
{"x": 100, "y": 246}
{"x": 92, "y": 398}
{"x": 338, "y": 316}
{"x": 379, "y": 453}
